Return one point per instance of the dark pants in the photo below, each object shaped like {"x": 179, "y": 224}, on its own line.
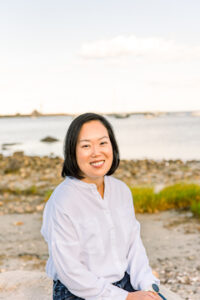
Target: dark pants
{"x": 60, "y": 292}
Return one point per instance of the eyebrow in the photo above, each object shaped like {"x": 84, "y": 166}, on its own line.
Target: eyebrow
{"x": 86, "y": 140}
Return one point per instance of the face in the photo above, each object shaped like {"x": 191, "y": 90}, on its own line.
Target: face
{"x": 94, "y": 152}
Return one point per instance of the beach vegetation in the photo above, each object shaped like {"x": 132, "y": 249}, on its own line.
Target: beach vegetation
{"x": 178, "y": 196}
{"x": 144, "y": 199}
{"x": 195, "y": 208}
{"x": 32, "y": 190}
{"x": 47, "y": 195}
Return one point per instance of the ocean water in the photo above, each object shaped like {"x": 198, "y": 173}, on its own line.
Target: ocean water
{"x": 169, "y": 136}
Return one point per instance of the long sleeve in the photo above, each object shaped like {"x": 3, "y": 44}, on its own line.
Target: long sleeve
{"x": 65, "y": 249}
{"x": 138, "y": 264}
{"x": 92, "y": 241}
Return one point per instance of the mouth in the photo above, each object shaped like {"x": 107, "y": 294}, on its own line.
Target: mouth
{"x": 97, "y": 164}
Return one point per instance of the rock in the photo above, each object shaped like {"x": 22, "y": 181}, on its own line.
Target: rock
{"x": 18, "y": 154}
{"x": 12, "y": 166}
{"x": 25, "y": 285}
{"x": 18, "y": 223}
{"x": 169, "y": 295}
{"x": 5, "y": 145}
{"x": 198, "y": 268}
{"x": 49, "y": 139}
{"x": 121, "y": 115}
{"x": 40, "y": 207}
{"x": 35, "y": 113}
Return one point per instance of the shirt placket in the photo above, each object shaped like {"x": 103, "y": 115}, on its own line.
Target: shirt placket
{"x": 108, "y": 217}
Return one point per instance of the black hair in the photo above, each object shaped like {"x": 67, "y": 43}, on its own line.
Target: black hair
{"x": 70, "y": 166}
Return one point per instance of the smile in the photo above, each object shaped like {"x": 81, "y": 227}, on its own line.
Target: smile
{"x": 98, "y": 163}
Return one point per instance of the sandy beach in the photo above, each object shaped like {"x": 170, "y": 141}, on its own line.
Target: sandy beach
{"x": 172, "y": 241}
{"x": 171, "y": 238}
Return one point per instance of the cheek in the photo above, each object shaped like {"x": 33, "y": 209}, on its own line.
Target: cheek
{"x": 112, "y": 157}
{"x": 81, "y": 156}
{"x": 78, "y": 157}
{"x": 111, "y": 150}
{"x": 80, "y": 161}
{"x": 110, "y": 153}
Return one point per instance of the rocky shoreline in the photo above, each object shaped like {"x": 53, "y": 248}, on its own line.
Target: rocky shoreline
{"x": 26, "y": 183}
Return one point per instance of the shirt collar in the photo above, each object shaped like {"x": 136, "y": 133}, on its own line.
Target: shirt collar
{"x": 83, "y": 184}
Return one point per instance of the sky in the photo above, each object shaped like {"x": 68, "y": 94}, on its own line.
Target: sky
{"x": 73, "y": 56}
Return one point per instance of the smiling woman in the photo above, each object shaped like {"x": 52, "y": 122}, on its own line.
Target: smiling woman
{"x": 95, "y": 249}
{"x": 94, "y": 153}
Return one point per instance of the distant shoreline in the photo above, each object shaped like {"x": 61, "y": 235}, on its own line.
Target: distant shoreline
{"x": 134, "y": 171}
{"x": 121, "y": 115}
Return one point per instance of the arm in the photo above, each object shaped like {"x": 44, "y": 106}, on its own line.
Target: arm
{"x": 65, "y": 250}
{"x": 138, "y": 263}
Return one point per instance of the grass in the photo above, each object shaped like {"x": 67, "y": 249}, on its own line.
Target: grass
{"x": 144, "y": 199}
{"x": 32, "y": 190}
{"x": 195, "y": 208}
{"x": 180, "y": 195}
{"x": 47, "y": 195}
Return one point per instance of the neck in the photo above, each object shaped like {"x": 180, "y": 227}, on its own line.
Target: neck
{"x": 99, "y": 184}
{"x": 101, "y": 189}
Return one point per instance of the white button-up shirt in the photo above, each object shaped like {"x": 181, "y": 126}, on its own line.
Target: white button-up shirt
{"x": 93, "y": 241}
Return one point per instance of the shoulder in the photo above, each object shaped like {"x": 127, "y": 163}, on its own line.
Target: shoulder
{"x": 118, "y": 184}
{"x": 63, "y": 188}
{"x": 63, "y": 194}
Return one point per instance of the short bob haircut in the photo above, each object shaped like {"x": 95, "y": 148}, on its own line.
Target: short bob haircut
{"x": 70, "y": 166}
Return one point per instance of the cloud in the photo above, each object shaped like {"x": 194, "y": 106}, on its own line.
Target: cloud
{"x": 144, "y": 48}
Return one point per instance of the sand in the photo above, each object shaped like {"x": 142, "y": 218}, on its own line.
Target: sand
{"x": 172, "y": 241}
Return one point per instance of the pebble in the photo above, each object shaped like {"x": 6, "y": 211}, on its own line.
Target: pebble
{"x": 20, "y": 172}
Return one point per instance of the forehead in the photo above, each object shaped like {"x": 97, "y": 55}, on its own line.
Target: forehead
{"x": 92, "y": 130}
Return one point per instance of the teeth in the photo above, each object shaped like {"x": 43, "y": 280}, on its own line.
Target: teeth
{"x": 97, "y": 163}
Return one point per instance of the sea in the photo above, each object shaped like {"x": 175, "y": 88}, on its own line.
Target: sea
{"x": 139, "y": 136}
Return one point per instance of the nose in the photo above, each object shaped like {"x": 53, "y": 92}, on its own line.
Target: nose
{"x": 95, "y": 150}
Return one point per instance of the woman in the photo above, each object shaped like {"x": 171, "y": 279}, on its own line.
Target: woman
{"x": 95, "y": 249}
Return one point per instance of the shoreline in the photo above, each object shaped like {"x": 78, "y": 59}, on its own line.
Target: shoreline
{"x": 53, "y": 155}
{"x": 119, "y": 115}
{"x": 26, "y": 182}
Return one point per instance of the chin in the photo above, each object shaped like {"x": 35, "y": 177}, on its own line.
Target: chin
{"x": 98, "y": 175}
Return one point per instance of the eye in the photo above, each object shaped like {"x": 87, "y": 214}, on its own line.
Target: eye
{"x": 103, "y": 143}
{"x": 85, "y": 146}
